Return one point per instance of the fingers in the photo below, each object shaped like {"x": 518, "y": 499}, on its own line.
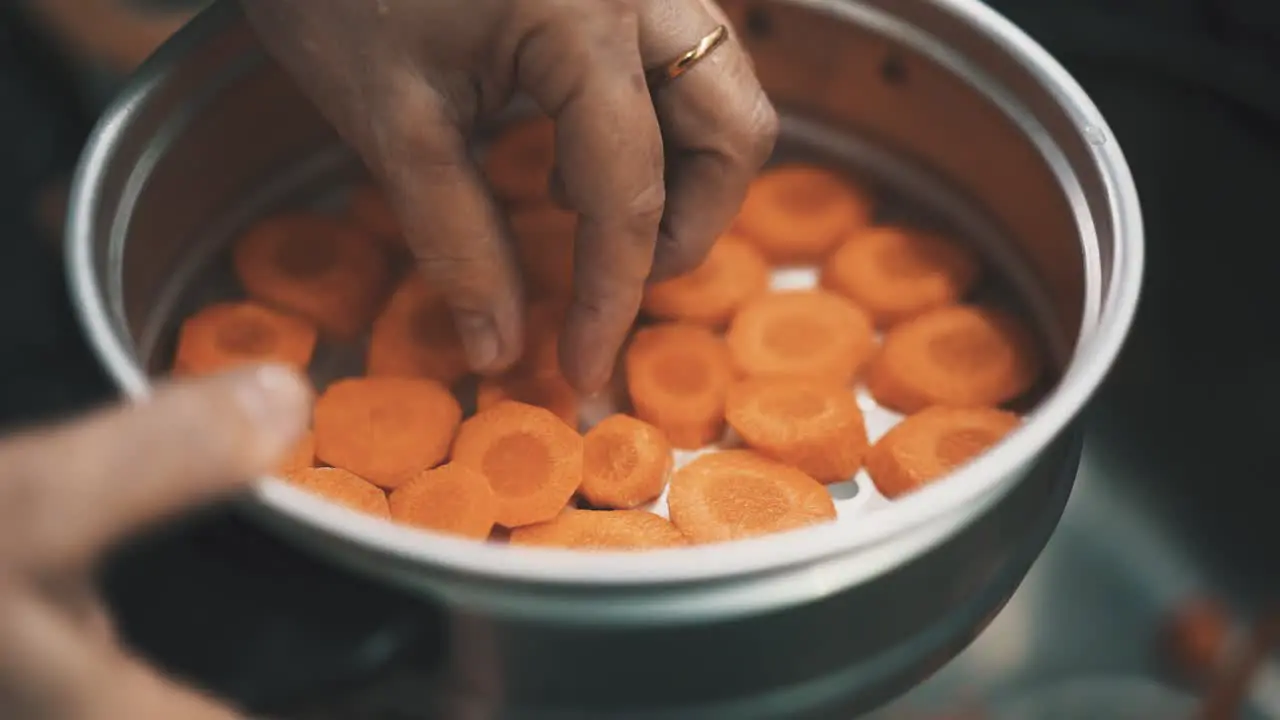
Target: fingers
{"x": 718, "y": 125}
{"x": 69, "y": 492}
{"x": 452, "y": 227}
{"x": 586, "y": 73}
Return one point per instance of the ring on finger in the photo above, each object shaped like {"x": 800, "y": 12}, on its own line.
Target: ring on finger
{"x": 664, "y": 73}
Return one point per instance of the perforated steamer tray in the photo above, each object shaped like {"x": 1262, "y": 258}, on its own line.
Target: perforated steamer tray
{"x": 905, "y": 195}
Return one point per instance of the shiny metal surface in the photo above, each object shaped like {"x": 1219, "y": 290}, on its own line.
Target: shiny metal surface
{"x": 823, "y": 622}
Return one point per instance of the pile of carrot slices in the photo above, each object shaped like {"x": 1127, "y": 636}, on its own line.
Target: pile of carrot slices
{"x": 767, "y": 387}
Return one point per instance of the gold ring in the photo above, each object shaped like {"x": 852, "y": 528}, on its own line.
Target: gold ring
{"x": 665, "y": 73}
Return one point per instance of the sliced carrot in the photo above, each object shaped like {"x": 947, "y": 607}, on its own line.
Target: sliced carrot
{"x": 601, "y": 530}
{"x": 800, "y": 213}
{"x": 543, "y": 236}
{"x": 518, "y": 163}
{"x": 301, "y": 457}
{"x": 551, "y": 392}
{"x": 932, "y": 443}
{"x": 342, "y": 487}
{"x": 801, "y": 334}
{"x": 451, "y": 499}
{"x": 543, "y": 323}
{"x": 368, "y": 208}
{"x": 739, "y": 494}
{"x": 224, "y": 335}
{"x": 385, "y": 429}
{"x": 733, "y": 273}
{"x": 626, "y": 463}
{"x": 316, "y": 266}
{"x": 677, "y": 376}
{"x": 533, "y": 461}
{"x": 960, "y": 355}
{"x": 415, "y": 336}
{"x": 896, "y": 273}
{"x": 813, "y": 426}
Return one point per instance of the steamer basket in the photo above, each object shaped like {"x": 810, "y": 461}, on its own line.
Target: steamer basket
{"x": 958, "y": 119}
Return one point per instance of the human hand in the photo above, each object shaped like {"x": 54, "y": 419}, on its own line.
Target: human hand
{"x": 69, "y": 493}
{"x": 655, "y": 178}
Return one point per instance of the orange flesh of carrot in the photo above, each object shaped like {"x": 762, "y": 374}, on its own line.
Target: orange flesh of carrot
{"x": 518, "y": 163}
{"x": 543, "y": 236}
{"x": 533, "y": 461}
{"x": 812, "y": 426}
{"x": 415, "y": 336}
{"x": 344, "y": 488}
{"x": 602, "y": 530}
{"x": 738, "y": 494}
{"x": 626, "y": 463}
{"x": 932, "y": 443}
{"x": 319, "y": 267}
{"x": 896, "y": 274}
{"x": 450, "y": 499}
{"x": 301, "y": 457}
{"x": 368, "y": 208}
{"x": 225, "y": 335}
{"x": 799, "y": 213}
{"x": 677, "y": 377}
{"x": 385, "y": 429}
{"x": 732, "y": 273}
{"x": 961, "y": 355}
{"x": 551, "y": 392}
{"x": 811, "y": 334}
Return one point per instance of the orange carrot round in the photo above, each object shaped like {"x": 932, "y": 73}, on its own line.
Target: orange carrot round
{"x": 801, "y": 334}
{"x": 533, "y": 461}
{"x": 543, "y": 236}
{"x": 542, "y": 326}
{"x": 799, "y": 213}
{"x": 451, "y": 499}
{"x": 739, "y": 494}
{"x": 316, "y": 266}
{"x": 601, "y": 530}
{"x": 932, "y": 443}
{"x": 677, "y": 376}
{"x": 626, "y": 463}
{"x": 301, "y": 457}
{"x": 224, "y": 335}
{"x": 369, "y": 209}
{"x": 414, "y": 336}
{"x": 342, "y": 487}
{"x": 551, "y": 392}
{"x": 385, "y": 429}
{"x": 960, "y": 355}
{"x": 518, "y": 163}
{"x": 896, "y": 274}
{"x": 733, "y": 273}
{"x": 815, "y": 427}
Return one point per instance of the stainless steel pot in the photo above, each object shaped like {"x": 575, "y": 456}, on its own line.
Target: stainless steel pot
{"x": 940, "y": 100}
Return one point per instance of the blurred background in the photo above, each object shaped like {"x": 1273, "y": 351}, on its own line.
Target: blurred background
{"x": 1178, "y": 490}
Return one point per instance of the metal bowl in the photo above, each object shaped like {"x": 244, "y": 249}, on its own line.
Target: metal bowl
{"x": 943, "y": 103}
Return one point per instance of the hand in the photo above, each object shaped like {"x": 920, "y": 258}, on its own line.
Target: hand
{"x": 67, "y": 494}
{"x": 654, "y": 179}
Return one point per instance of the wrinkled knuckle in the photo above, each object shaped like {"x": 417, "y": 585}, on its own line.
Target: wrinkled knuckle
{"x": 644, "y": 209}
{"x": 760, "y": 130}
{"x": 464, "y": 280}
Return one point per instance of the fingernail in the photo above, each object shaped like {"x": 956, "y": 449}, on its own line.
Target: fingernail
{"x": 277, "y": 400}
{"x": 479, "y": 337}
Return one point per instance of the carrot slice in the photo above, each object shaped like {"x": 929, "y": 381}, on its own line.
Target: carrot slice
{"x": 316, "y": 266}
{"x": 799, "y": 213}
{"x": 302, "y": 457}
{"x": 733, "y": 273}
{"x": 896, "y": 273}
{"x": 224, "y": 335}
{"x": 739, "y": 494}
{"x": 518, "y": 163}
{"x": 625, "y": 463}
{"x": 813, "y": 426}
{"x": 415, "y": 336}
{"x": 342, "y": 487}
{"x": 451, "y": 499}
{"x": 543, "y": 323}
{"x": 960, "y": 355}
{"x": 385, "y": 429}
{"x": 533, "y": 461}
{"x": 677, "y": 376}
{"x": 369, "y": 209}
{"x": 543, "y": 236}
{"x": 932, "y": 443}
{"x": 601, "y": 530}
{"x": 802, "y": 334}
{"x": 551, "y": 392}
